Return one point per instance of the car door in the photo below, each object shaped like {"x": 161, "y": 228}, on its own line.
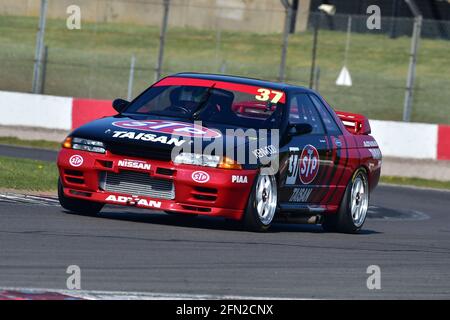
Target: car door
{"x": 305, "y": 158}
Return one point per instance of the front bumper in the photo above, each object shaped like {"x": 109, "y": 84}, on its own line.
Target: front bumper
{"x": 225, "y": 194}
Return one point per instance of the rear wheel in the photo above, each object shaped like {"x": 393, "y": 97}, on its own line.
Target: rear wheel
{"x": 76, "y": 205}
{"x": 354, "y": 205}
{"x": 262, "y": 204}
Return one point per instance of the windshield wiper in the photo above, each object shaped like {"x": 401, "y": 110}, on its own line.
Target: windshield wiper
{"x": 203, "y": 103}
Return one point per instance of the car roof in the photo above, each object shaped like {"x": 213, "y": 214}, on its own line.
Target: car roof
{"x": 243, "y": 80}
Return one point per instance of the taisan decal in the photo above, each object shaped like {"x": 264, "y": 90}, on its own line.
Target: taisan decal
{"x": 300, "y": 194}
{"x": 147, "y": 137}
{"x": 169, "y": 127}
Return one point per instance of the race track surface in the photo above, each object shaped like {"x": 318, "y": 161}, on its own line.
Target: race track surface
{"x": 407, "y": 235}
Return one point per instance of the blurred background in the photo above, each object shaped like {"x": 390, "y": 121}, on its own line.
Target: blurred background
{"x": 118, "y": 51}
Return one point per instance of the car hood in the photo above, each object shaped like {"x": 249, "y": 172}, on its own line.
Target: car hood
{"x": 155, "y": 137}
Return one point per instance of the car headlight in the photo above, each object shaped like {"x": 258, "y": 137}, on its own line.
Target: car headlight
{"x": 84, "y": 145}
{"x": 206, "y": 161}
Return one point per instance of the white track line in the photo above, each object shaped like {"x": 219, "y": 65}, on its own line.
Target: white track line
{"x": 122, "y": 295}
{"x": 28, "y": 199}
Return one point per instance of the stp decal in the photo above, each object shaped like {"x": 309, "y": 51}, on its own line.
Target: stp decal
{"x": 76, "y": 160}
{"x": 306, "y": 166}
{"x": 169, "y": 127}
{"x": 200, "y": 176}
{"x": 309, "y": 164}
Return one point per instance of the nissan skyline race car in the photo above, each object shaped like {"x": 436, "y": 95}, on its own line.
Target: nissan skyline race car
{"x": 225, "y": 146}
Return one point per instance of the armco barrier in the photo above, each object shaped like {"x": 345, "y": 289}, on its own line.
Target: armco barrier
{"x": 396, "y": 139}
{"x": 85, "y": 110}
{"x": 443, "y": 148}
{"x": 25, "y": 109}
{"x": 405, "y": 139}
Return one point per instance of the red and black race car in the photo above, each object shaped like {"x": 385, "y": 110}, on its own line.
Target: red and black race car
{"x": 225, "y": 146}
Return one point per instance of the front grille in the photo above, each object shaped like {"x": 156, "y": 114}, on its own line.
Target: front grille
{"x": 137, "y": 183}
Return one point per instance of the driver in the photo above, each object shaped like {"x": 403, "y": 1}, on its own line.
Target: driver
{"x": 186, "y": 97}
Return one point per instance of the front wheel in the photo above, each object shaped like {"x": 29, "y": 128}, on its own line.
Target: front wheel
{"x": 89, "y": 208}
{"x": 354, "y": 205}
{"x": 262, "y": 204}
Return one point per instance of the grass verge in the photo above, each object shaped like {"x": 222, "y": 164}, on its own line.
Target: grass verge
{"x": 416, "y": 182}
{"x": 41, "y": 144}
{"x": 30, "y": 175}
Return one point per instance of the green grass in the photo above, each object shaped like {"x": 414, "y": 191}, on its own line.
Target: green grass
{"x": 41, "y": 144}
{"x": 94, "y": 62}
{"x": 24, "y": 174}
{"x": 417, "y": 182}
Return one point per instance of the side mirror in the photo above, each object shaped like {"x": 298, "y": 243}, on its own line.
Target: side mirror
{"x": 120, "y": 104}
{"x": 300, "y": 128}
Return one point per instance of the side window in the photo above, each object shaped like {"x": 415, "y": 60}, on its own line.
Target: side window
{"x": 302, "y": 110}
{"x": 330, "y": 124}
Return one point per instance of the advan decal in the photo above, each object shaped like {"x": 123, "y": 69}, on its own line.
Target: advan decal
{"x": 133, "y": 201}
{"x": 169, "y": 127}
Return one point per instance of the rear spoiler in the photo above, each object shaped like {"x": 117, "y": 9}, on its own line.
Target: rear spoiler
{"x": 354, "y": 123}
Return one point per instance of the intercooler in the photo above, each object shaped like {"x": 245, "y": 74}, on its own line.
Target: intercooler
{"x": 137, "y": 183}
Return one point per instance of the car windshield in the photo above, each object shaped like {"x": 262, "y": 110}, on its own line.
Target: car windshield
{"x": 212, "y": 101}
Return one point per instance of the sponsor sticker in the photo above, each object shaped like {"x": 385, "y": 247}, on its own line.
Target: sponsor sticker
{"x": 265, "y": 151}
{"x": 200, "y": 176}
{"x": 371, "y": 143}
{"x": 135, "y": 164}
{"x": 76, "y": 160}
{"x": 376, "y": 153}
{"x": 147, "y": 137}
{"x": 238, "y": 179}
{"x": 133, "y": 201}
{"x": 309, "y": 164}
{"x": 300, "y": 194}
{"x": 169, "y": 127}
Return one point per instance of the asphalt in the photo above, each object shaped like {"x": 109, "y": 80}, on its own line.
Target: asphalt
{"x": 407, "y": 234}
{"x": 27, "y": 153}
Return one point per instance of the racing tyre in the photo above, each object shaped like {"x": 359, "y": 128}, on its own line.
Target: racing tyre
{"x": 262, "y": 204}
{"x": 78, "y": 206}
{"x": 353, "y": 209}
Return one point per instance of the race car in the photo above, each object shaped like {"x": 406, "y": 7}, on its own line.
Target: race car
{"x": 225, "y": 146}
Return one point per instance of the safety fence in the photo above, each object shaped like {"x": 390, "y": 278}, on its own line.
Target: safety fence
{"x": 396, "y": 139}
